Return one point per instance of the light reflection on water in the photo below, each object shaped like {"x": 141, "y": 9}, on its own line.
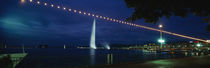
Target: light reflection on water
{"x": 92, "y": 57}
{"x": 47, "y": 58}
{"x": 109, "y": 59}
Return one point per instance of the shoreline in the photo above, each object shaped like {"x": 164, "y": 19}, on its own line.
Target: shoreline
{"x": 186, "y": 62}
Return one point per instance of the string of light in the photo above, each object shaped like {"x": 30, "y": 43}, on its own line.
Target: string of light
{"x": 112, "y": 19}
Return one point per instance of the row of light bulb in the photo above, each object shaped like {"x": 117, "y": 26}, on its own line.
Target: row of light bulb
{"x": 115, "y": 20}
{"x": 84, "y": 13}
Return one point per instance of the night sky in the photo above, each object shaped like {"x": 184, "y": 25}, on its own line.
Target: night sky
{"x": 31, "y": 24}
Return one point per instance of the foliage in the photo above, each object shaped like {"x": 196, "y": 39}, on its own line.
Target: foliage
{"x": 152, "y": 10}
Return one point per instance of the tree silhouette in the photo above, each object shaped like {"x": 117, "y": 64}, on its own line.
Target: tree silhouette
{"x": 152, "y": 10}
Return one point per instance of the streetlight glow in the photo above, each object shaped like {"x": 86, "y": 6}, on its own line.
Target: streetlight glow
{"x": 208, "y": 41}
{"x": 160, "y": 26}
{"x": 198, "y": 45}
{"x": 38, "y": 2}
{"x": 110, "y": 19}
{"x": 107, "y": 18}
{"x": 75, "y": 11}
{"x": 31, "y": 0}
{"x": 58, "y": 7}
{"x": 45, "y": 4}
{"x": 69, "y": 9}
{"x": 64, "y": 8}
{"x": 22, "y": 1}
{"x": 93, "y": 15}
{"x": 80, "y": 12}
{"x": 161, "y": 40}
{"x": 52, "y": 5}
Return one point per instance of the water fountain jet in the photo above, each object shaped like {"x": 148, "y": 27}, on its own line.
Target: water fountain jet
{"x": 92, "y": 40}
{"x": 106, "y": 45}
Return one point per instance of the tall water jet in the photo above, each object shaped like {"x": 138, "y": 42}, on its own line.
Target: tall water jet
{"x": 92, "y": 40}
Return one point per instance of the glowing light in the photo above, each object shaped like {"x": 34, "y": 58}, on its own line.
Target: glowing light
{"x": 161, "y": 40}
{"x": 38, "y": 2}
{"x": 208, "y": 41}
{"x": 69, "y": 9}
{"x": 64, "y": 8}
{"x": 104, "y": 17}
{"x": 80, "y": 12}
{"x": 110, "y": 19}
{"x": 52, "y": 5}
{"x": 97, "y": 16}
{"x": 88, "y": 14}
{"x": 160, "y": 26}
{"x": 45, "y": 4}
{"x": 84, "y": 13}
{"x": 198, "y": 45}
{"x": 64, "y": 46}
{"x": 31, "y": 0}
{"x": 22, "y": 1}
{"x": 107, "y": 18}
{"x": 75, "y": 11}
{"x": 101, "y": 16}
{"x": 58, "y": 7}
{"x": 93, "y": 15}
{"x": 116, "y": 20}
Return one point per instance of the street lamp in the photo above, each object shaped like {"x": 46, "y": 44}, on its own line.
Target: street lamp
{"x": 160, "y": 26}
{"x": 161, "y": 40}
{"x": 198, "y": 45}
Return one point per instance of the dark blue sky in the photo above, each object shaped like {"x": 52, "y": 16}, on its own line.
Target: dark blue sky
{"x": 31, "y": 24}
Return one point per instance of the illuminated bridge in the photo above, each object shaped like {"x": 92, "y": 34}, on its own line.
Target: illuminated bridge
{"x": 107, "y": 18}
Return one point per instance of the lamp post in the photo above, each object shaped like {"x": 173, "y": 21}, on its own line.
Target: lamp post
{"x": 198, "y": 46}
{"x": 161, "y": 39}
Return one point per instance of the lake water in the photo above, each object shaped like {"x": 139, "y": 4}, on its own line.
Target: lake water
{"x": 74, "y": 58}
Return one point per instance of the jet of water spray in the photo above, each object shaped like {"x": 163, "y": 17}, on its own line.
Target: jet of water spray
{"x": 106, "y": 45}
{"x": 92, "y": 40}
